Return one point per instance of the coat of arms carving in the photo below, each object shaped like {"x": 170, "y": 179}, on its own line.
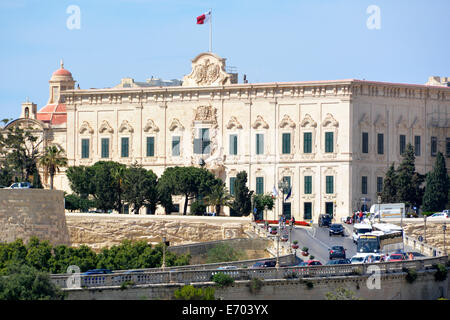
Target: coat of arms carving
{"x": 207, "y": 69}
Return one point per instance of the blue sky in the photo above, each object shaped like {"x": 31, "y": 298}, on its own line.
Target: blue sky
{"x": 286, "y": 40}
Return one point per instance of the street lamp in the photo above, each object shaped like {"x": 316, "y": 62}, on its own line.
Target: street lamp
{"x": 164, "y": 253}
{"x": 283, "y": 185}
{"x": 379, "y": 213}
{"x": 278, "y": 245}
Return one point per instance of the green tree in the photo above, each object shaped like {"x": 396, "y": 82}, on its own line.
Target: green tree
{"x": 107, "y": 185}
{"x": 23, "y": 282}
{"x": 389, "y": 192}
{"x": 52, "y": 159}
{"x": 437, "y": 186}
{"x": 224, "y": 253}
{"x": 263, "y": 202}
{"x": 139, "y": 188}
{"x": 242, "y": 204}
{"x": 408, "y": 181}
{"x": 218, "y": 197}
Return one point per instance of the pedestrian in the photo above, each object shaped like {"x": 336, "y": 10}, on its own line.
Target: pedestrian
{"x": 293, "y": 221}
{"x": 360, "y": 216}
{"x": 411, "y": 256}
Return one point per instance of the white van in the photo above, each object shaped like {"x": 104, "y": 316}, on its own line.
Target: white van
{"x": 360, "y": 228}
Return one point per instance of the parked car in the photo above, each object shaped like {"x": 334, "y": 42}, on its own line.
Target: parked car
{"x": 339, "y": 261}
{"x": 97, "y": 271}
{"x": 337, "y": 252}
{"x": 313, "y": 263}
{"x": 396, "y": 257}
{"x": 439, "y": 215}
{"x": 372, "y": 258}
{"x": 264, "y": 264}
{"x": 359, "y": 258}
{"x": 20, "y": 185}
{"x": 227, "y": 268}
{"x": 324, "y": 220}
{"x": 336, "y": 229}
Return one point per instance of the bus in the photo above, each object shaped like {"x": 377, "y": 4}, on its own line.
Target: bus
{"x": 359, "y": 229}
{"x": 380, "y": 242}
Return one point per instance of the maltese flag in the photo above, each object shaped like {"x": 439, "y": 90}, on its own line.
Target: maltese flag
{"x": 204, "y": 18}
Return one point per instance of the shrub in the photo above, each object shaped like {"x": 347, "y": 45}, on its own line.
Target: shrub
{"x": 126, "y": 285}
{"x": 411, "y": 275}
{"x": 309, "y": 284}
{"x": 255, "y": 285}
{"x": 295, "y": 242}
{"x": 224, "y": 253}
{"x": 311, "y": 257}
{"x": 441, "y": 273}
{"x": 188, "y": 292}
{"x": 198, "y": 208}
{"x": 305, "y": 249}
{"x": 222, "y": 279}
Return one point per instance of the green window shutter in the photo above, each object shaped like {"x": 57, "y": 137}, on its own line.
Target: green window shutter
{"x": 286, "y": 143}
{"x": 308, "y": 185}
{"x": 329, "y": 184}
{"x": 259, "y": 185}
{"x": 307, "y": 208}
{"x": 150, "y": 146}
{"x": 84, "y": 148}
{"x": 259, "y": 143}
{"x": 105, "y": 147}
{"x": 380, "y": 143}
{"x": 364, "y": 185}
{"x": 232, "y": 185}
{"x": 402, "y": 143}
{"x": 417, "y": 146}
{"x": 176, "y": 146}
{"x": 125, "y": 147}
{"x": 329, "y": 142}
{"x": 233, "y": 144}
{"x": 379, "y": 184}
{"x": 307, "y": 142}
{"x": 365, "y": 142}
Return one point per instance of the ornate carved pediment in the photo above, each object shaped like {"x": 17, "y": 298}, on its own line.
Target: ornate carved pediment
{"x": 150, "y": 126}
{"x": 308, "y": 121}
{"x": 379, "y": 121}
{"x": 259, "y": 122}
{"x": 402, "y": 123}
{"x": 330, "y": 121}
{"x": 364, "y": 121}
{"x": 105, "y": 126}
{"x": 234, "y": 123}
{"x": 287, "y": 121}
{"x": 175, "y": 124}
{"x": 86, "y": 127}
{"x": 125, "y": 126}
{"x": 205, "y": 114}
{"x": 208, "y": 69}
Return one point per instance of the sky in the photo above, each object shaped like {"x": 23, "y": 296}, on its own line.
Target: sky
{"x": 403, "y": 41}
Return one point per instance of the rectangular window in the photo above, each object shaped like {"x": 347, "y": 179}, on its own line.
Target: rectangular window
{"x": 329, "y": 208}
{"x": 259, "y": 185}
{"x": 150, "y": 146}
{"x": 202, "y": 143}
{"x": 329, "y": 142}
{"x": 380, "y": 143}
{"x": 417, "y": 146}
{"x": 286, "y": 143}
{"x": 232, "y": 187}
{"x": 307, "y": 210}
{"x": 329, "y": 184}
{"x": 176, "y": 146}
{"x": 364, "y": 184}
{"x": 379, "y": 184}
{"x": 307, "y": 142}
{"x": 125, "y": 147}
{"x": 84, "y": 148}
{"x": 287, "y": 210}
{"x": 365, "y": 142}
{"x": 288, "y": 179}
{"x": 447, "y": 147}
{"x": 308, "y": 185}
{"x": 402, "y": 143}
{"x": 233, "y": 144}
{"x": 433, "y": 146}
{"x": 105, "y": 147}
{"x": 259, "y": 143}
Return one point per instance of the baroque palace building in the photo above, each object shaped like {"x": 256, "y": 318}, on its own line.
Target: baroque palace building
{"x": 331, "y": 141}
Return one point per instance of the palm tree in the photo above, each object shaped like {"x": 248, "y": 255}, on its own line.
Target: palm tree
{"x": 118, "y": 173}
{"x": 218, "y": 197}
{"x": 52, "y": 159}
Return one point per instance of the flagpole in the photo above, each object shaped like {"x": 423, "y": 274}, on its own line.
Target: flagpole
{"x": 210, "y": 31}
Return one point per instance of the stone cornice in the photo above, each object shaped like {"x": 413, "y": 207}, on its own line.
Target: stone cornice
{"x": 310, "y": 89}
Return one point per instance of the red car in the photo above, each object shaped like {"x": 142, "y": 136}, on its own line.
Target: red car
{"x": 396, "y": 257}
{"x": 313, "y": 263}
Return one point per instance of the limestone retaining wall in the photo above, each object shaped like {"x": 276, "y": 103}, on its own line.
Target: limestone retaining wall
{"x": 105, "y": 230}
{"x": 33, "y": 212}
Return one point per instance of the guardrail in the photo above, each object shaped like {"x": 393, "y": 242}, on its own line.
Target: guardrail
{"x": 66, "y": 281}
{"x": 422, "y": 247}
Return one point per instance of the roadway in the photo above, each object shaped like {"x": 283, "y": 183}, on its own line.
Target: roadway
{"x": 318, "y": 241}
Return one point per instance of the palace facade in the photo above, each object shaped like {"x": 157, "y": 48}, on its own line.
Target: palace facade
{"x": 331, "y": 141}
